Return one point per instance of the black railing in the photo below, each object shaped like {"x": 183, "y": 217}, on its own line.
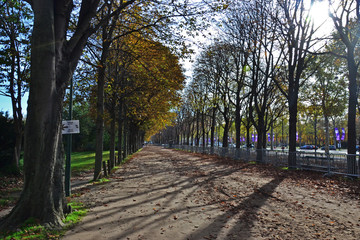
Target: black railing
{"x": 333, "y": 163}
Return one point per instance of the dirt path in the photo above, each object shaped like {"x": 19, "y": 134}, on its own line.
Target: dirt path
{"x": 168, "y": 194}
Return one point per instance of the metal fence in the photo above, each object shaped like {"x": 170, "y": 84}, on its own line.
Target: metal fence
{"x": 333, "y": 163}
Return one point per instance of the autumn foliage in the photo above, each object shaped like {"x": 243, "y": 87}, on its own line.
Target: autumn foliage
{"x": 145, "y": 77}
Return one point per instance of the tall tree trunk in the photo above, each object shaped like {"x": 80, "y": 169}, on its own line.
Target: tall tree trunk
{"x": 112, "y": 141}
{"x": 237, "y": 124}
{"x": 260, "y": 131}
{"x": 192, "y": 133}
{"x": 18, "y": 144}
{"x": 292, "y": 130}
{"x": 100, "y": 104}
{"x": 125, "y": 138}
{"x": 333, "y": 130}
{"x": 16, "y": 104}
{"x": 271, "y": 136}
{"x": 120, "y": 133}
{"x": 183, "y": 139}
{"x": 327, "y": 134}
{"x": 248, "y": 136}
{"x": 203, "y": 129}
{"x": 99, "y": 122}
{"x": 226, "y": 133}
{"x": 207, "y": 137}
{"x": 213, "y": 124}
{"x": 238, "y": 107}
{"x": 43, "y": 193}
{"x": 315, "y": 131}
{"x": 197, "y": 138}
{"x": 177, "y": 134}
{"x": 353, "y": 95}
{"x": 188, "y": 134}
{"x": 264, "y": 140}
{"x": 259, "y": 145}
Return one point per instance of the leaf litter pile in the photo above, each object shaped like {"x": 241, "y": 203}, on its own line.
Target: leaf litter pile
{"x": 10, "y": 188}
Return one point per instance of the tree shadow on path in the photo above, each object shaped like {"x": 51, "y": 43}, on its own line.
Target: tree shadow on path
{"x": 237, "y": 221}
{"x": 140, "y": 205}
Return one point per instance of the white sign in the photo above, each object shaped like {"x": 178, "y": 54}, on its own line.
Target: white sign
{"x": 70, "y": 127}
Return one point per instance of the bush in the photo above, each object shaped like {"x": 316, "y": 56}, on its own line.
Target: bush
{"x": 7, "y": 143}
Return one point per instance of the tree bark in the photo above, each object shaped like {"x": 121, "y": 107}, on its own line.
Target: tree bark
{"x": 16, "y": 102}
{"x": 292, "y": 130}
{"x": 213, "y": 124}
{"x": 327, "y": 134}
{"x": 203, "y": 129}
{"x": 238, "y": 116}
{"x": 271, "y": 136}
{"x": 192, "y": 133}
{"x": 197, "y": 138}
{"x": 248, "y": 136}
{"x": 43, "y": 194}
{"x": 259, "y": 145}
{"x": 106, "y": 42}
{"x": 353, "y": 95}
{"x": 112, "y": 141}
{"x": 125, "y": 136}
{"x": 226, "y": 132}
{"x": 120, "y": 133}
{"x": 99, "y": 123}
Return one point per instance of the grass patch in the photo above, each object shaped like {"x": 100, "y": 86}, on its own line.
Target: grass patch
{"x": 78, "y": 212}
{"x": 84, "y": 161}
{"x": 31, "y": 228}
{"x": 252, "y": 162}
{"x": 81, "y": 161}
{"x": 32, "y": 232}
{"x": 100, "y": 181}
{"x": 4, "y": 202}
{"x": 129, "y": 157}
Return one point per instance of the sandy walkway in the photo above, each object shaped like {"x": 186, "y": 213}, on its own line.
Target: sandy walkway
{"x": 167, "y": 194}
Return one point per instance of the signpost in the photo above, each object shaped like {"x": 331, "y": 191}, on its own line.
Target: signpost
{"x": 69, "y": 127}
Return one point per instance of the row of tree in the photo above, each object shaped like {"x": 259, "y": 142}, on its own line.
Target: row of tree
{"x": 15, "y": 29}
{"x": 121, "y": 57}
{"x": 272, "y": 63}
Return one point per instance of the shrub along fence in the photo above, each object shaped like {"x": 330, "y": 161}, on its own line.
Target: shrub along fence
{"x": 333, "y": 163}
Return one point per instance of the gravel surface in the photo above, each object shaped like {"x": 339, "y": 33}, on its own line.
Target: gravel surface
{"x": 170, "y": 194}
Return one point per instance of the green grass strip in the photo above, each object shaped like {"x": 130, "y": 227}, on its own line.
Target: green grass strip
{"x": 31, "y": 229}
{"x": 84, "y": 161}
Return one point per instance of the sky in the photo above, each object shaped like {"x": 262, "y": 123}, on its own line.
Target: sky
{"x": 319, "y": 13}
{"x": 5, "y": 104}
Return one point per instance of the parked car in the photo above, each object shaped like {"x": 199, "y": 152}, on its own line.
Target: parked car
{"x": 282, "y": 146}
{"x": 331, "y": 147}
{"x": 309, "y": 147}
{"x": 245, "y": 146}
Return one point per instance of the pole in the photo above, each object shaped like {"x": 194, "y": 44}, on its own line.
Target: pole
{"x": 68, "y": 151}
